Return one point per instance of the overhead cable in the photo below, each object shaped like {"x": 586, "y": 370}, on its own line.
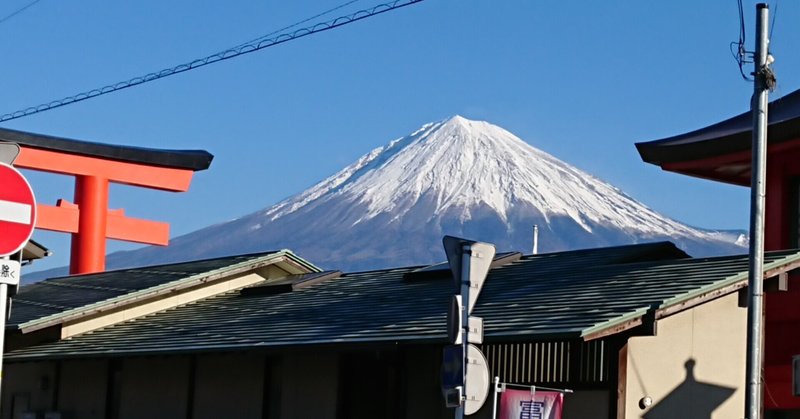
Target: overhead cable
{"x": 227, "y": 54}
{"x": 306, "y": 20}
{"x": 18, "y": 11}
{"x": 740, "y": 54}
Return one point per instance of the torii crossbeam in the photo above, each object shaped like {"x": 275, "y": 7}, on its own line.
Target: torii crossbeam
{"x": 94, "y": 166}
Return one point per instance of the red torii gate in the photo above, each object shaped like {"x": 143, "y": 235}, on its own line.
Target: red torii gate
{"x": 94, "y": 166}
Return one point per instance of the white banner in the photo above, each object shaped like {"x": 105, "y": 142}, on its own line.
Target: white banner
{"x": 521, "y": 404}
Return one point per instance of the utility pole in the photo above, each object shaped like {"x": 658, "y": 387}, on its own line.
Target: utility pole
{"x": 763, "y": 81}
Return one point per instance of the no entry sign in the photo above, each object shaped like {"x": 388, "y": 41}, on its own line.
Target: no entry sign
{"x": 17, "y": 210}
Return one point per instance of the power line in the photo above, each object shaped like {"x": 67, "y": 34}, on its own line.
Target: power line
{"x": 18, "y": 11}
{"x": 286, "y": 28}
{"x": 227, "y": 54}
{"x": 740, "y": 54}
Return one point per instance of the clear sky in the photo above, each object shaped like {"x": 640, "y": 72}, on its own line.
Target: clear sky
{"x": 581, "y": 80}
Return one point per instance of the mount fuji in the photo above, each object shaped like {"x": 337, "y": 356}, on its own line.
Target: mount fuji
{"x": 454, "y": 177}
{"x": 459, "y": 177}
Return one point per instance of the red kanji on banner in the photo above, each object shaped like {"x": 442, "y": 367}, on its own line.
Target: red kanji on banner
{"x": 521, "y": 404}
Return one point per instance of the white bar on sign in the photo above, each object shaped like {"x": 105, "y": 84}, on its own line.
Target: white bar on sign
{"x": 14, "y": 212}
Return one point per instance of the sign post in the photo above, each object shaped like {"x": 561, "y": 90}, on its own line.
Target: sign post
{"x": 469, "y": 262}
{"x": 17, "y": 221}
{"x": 17, "y": 210}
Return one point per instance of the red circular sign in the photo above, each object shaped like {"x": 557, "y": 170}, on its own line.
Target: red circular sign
{"x": 17, "y": 210}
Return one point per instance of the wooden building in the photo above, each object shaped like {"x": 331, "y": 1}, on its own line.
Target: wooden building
{"x": 272, "y": 336}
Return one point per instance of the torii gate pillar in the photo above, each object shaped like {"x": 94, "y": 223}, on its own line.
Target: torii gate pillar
{"x": 88, "y": 249}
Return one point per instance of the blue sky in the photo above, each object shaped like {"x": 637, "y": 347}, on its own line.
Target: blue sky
{"x": 580, "y": 80}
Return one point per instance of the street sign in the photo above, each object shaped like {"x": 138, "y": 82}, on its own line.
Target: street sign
{"x": 17, "y": 210}
{"x": 9, "y": 272}
{"x": 455, "y": 325}
{"x": 452, "y": 370}
{"x": 8, "y": 152}
{"x": 480, "y": 260}
{"x": 469, "y": 263}
{"x": 477, "y": 386}
{"x": 475, "y": 334}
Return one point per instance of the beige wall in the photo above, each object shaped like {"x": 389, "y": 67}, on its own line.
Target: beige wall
{"x": 229, "y": 386}
{"x": 82, "y": 389}
{"x": 309, "y": 383}
{"x": 163, "y": 302}
{"x": 712, "y": 336}
{"x": 28, "y": 387}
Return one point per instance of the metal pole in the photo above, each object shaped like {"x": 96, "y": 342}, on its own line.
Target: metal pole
{"x": 496, "y": 389}
{"x": 535, "y": 239}
{"x": 3, "y": 308}
{"x": 466, "y": 257}
{"x": 758, "y": 104}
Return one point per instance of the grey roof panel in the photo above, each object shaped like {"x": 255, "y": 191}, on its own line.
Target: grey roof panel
{"x": 549, "y": 296}
{"x": 56, "y": 295}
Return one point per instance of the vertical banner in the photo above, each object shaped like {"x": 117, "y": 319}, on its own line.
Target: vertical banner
{"x": 521, "y": 404}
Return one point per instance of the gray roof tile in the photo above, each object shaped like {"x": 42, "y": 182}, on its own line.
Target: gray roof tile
{"x": 58, "y": 295}
{"x": 549, "y": 296}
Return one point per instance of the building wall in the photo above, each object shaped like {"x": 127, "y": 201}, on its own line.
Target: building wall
{"x": 423, "y": 389}
{"x": 154, "y": 387}
{"x": 693, "y": 368}
{"x": 28, "y": 387}
{"x": 781, "y": 340}
{"x": 82, "y": 389}
{"x": 229, "y": 386}
{"x": 296, "y": 385}
{"x": 586, "y": 404}
{"x": 308, "y": 385}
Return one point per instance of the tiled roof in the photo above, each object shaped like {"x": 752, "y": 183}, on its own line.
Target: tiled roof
{"x": 58, "y": 296}
{"x": 566, "y": 295}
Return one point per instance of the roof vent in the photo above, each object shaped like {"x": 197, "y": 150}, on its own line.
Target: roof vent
{"x": 289, "y": 283}
{"x": 442, "y": 270}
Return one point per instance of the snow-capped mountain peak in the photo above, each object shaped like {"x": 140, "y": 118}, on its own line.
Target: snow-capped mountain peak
{"x": 464, "y": 164}
{"x": 461, "y": 177}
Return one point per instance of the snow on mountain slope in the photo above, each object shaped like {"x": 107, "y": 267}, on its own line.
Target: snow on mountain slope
{"x": 464, "y": 164}
{"x": 461, "y": 177}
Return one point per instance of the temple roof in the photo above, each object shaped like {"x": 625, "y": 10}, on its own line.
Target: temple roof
{"x": 730, "y": 136}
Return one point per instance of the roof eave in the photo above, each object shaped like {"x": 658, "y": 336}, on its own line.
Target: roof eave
{"x": 732, "y": 135}
{"x": 163, "y": 289}
{"x": 688, "y": 300}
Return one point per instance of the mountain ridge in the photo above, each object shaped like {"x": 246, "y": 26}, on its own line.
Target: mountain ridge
{"x": 456, "y": 176}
